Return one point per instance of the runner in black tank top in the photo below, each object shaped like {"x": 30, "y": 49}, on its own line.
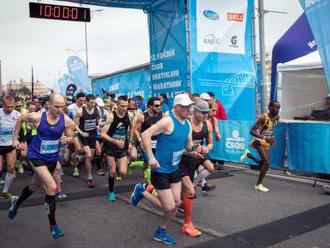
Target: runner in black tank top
{"x": 143, "y": 122}
{"x": 117, "y": 141}
{"x": 87, "y": 119}
{"x": 190, "y": 161}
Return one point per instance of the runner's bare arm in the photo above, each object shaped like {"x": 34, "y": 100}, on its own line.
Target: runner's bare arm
{"x": 189, "y": 145}
{"x": 209, "y": 139}
{"x": 254, "y": 130}
{"x": 104, "y": 134}
{"x": 77, "y": 121}
{"x": 68, "y": 131}
{"x": 138, "y": 125}
{"x": 165, "y": 125}
{"x": 99, "y": 116}
{"x": 131, "y": 129}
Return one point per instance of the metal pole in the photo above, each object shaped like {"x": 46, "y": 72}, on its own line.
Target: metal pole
{"x": 86, "y": 47}
{"x": 254, "y": 43}
{"x": 32, "y": 82}
{"x": 0, "y": 79}
{"x": 262, "y": 56}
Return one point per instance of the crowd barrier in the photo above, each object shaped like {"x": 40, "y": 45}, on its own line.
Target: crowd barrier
{"x": 305, "y": 145}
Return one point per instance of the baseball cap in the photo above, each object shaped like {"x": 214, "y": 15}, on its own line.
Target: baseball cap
{"x": 205, "y": 96}
{"x": 99, "y": 102}
{"x": 202, "y": 106}
{"x": 182, "y": 99}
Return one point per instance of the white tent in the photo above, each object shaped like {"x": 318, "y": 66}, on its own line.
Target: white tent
{"x": 301, "y": 86}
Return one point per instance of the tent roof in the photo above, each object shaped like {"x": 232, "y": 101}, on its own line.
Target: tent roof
{"x": 135, "y": 4}
{"x": 309, "y": 61}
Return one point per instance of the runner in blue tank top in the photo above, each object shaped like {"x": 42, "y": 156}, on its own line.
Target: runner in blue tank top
{"x": 174, "y": 137}
{"x": 43, "y": 155}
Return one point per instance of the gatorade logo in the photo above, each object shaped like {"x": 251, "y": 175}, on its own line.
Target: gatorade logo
{"x": 309, "y": 3}
{"x": 210, "y": 14}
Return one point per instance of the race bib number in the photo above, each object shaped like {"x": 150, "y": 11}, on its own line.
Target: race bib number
{"x": 49, "y": 146}
{"x": 177, "y": 157}
{"x": 153, "y": 144}
{"x": 6, "y": 133}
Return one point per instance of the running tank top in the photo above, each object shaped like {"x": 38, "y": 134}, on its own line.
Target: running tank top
{"x": 148, "y": 122}
{"x": 170, "y": 147}
{"x": 198, "y": 138}
{"x": 46, "y": 144}
{"x": 267, "y": 129}
{"x": 7, "y": 127}
{"x": 88, "y": 122}
{"x": 118, "y": 129}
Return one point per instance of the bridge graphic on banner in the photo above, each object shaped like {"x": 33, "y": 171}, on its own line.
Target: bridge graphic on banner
{"x": 239, "y": 80}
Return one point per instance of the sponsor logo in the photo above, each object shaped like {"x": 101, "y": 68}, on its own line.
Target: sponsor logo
{"x": 312, "y": 44}
{"x": 235, "y": 143}
{"x": 233, "y": 41}
{"x": 235, "y": 17}
{"x": 309, "y": 3}
{"x": 212, "y": 39}
{"x": 210, "y": 14}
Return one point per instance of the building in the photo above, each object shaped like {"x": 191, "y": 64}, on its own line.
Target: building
{"x": 24, "y": 88}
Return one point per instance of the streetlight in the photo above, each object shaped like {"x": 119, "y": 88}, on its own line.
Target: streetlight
{"x": 86, "y": 46}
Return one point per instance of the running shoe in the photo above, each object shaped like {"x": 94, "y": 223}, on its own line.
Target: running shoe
{"x": 161, "y": 235}
{"x": 90, "y": 184}
{"x": 12, "y": 211}
{"x": 100, "y": 172}
{"x": 208, "y": 188}
{"x": 6, "y": 195}
{"x": 2, "y": 182}
{"x": 245, "y": 155}
{"x": 56, "y": 231}
{"x": 190, "y": 230}
{"x": 75, "y": 172}
{"x": 118, "y": 178}
{"x": 261, "y": 188}
{"x": 111, "y": 197}
{"x": 137, "y": 194}
{"x": 61, "y": 196}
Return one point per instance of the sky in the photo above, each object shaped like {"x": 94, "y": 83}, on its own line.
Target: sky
{"x": 117, "y": 39}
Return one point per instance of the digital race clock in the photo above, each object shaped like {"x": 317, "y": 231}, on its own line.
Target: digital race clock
{"x": 59, "y": 12}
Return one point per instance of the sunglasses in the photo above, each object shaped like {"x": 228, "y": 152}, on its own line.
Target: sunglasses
{"x": 157, "y": 105}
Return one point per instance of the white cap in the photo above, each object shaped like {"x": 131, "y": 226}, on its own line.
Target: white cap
{"x": 182, "y": 99}
{"x": 205, "y": 96}
{"x": 99, "y": 102}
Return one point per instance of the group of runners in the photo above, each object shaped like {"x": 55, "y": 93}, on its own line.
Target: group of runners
{"x": 174, "y": 146}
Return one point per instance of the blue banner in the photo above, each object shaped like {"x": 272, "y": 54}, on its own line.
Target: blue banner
{"x": 309, "y": 146}
{"x": 317, "y": 12}
{"x": 221, "y": 54}
{"x": 298, "y": 41}
{"x": 167, "y": 29}
{"x": 130, "y": 84}
{"x": 78, "y": 73}
{"x": 235, "y": 138}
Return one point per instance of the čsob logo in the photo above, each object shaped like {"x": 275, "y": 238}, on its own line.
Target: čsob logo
{"x": 210, "y": 14}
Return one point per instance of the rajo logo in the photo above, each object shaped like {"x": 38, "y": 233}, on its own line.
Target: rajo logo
{"x": 235, "y": 143}
{"x": 309, "y": 3}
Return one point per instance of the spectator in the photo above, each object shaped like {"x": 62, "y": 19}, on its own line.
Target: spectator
{"x": 221, "y": 113}
{"x": 139, "y": 101}
{"x": 164, "y": 101}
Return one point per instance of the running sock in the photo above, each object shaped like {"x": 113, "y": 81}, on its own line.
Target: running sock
{"x": 111, "y": 182}
{"x": 98, "y": 162}
{"x": 8, "y": 180}
{"x": 203, "y": 175}
{"x": 50, "y": 206}
{"x": 187, "y": 207}
{"x": 26, "y": 193}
